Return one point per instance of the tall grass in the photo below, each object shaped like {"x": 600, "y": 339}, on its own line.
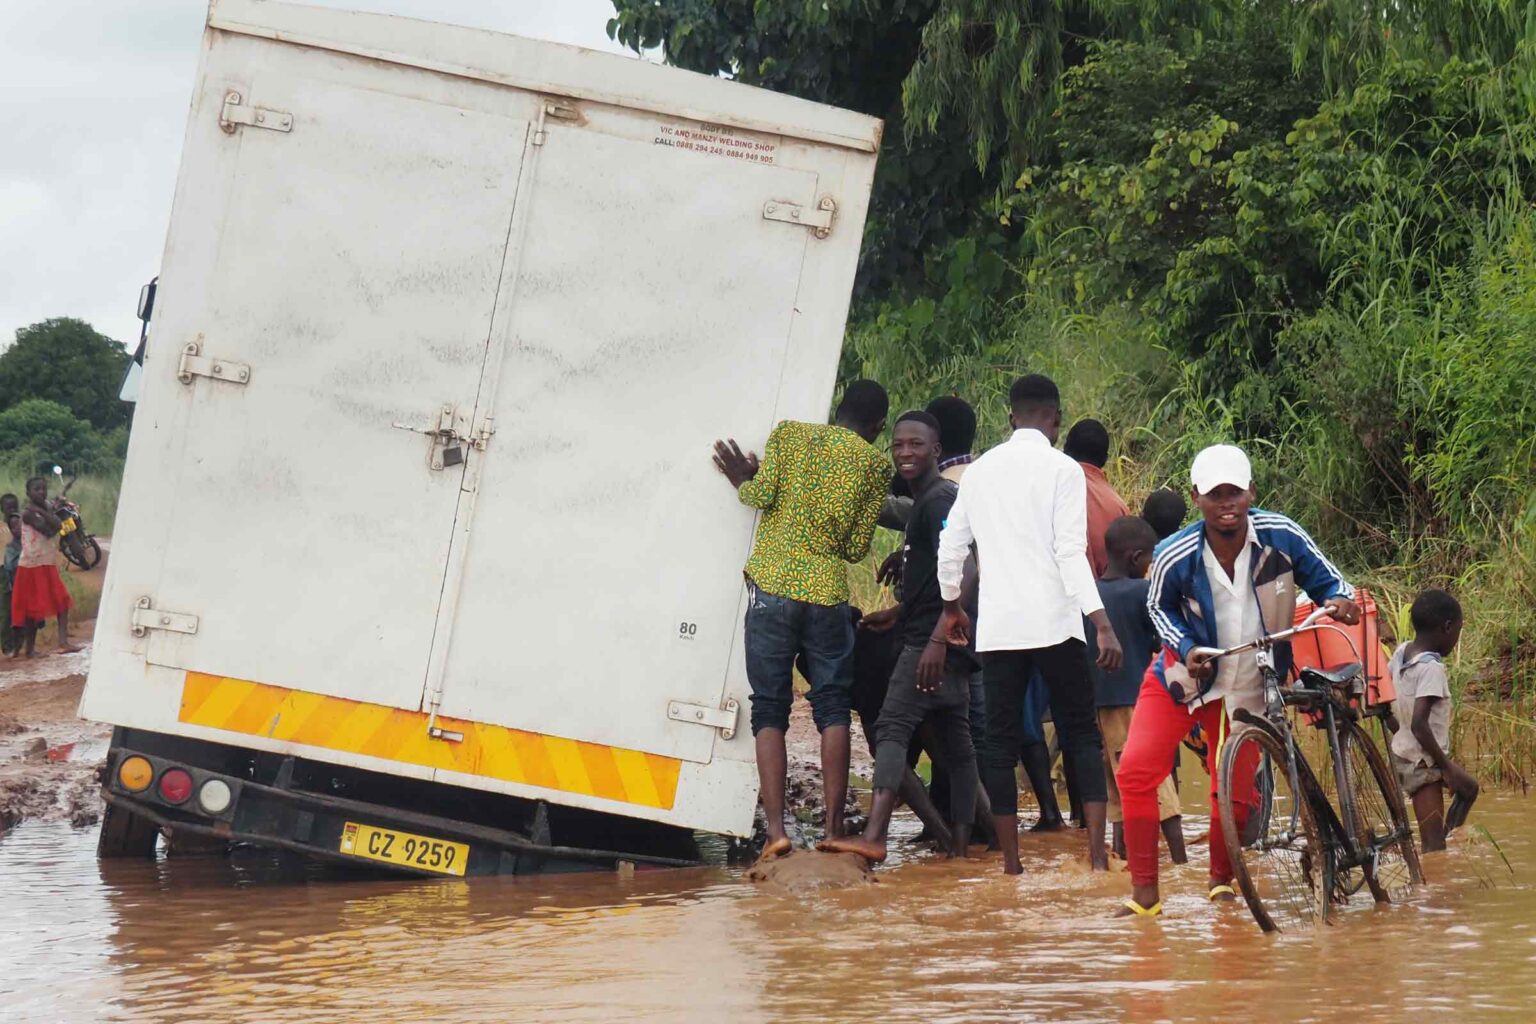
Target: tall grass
{"x": 1441, "y": 498}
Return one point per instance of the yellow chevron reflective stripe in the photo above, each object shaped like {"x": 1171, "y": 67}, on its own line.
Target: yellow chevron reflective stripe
{"x": 490, "y": 751}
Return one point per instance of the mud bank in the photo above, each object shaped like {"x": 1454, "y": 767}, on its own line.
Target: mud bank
{"x": 48, "y": 757}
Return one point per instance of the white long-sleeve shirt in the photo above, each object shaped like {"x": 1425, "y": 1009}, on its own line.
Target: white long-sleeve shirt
{"x": 1025, "y": 506}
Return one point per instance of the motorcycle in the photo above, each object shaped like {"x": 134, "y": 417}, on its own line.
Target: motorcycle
{"x": 78, "y": 546}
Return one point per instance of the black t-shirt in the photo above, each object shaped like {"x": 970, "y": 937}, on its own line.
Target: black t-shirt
{"x": 921, "y": 604}
{"x": 1125, "y": 604}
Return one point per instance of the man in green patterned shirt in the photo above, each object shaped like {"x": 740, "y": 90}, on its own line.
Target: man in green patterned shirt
{"x": 820, "y": 489}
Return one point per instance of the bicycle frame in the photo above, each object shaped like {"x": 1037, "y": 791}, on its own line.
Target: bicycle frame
{"x": 1341, "y": 841}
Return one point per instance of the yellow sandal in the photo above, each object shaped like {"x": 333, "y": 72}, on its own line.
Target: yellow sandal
{"x": 1140, "y": 911}
{"x": 1221, "y": 890}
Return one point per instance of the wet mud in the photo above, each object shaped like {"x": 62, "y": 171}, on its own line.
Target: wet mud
{"x": 48, "y": 757}
{"x": 806, "y": 871}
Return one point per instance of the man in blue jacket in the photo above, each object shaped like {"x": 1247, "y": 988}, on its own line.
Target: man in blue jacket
{"x": 1231, "y": 577}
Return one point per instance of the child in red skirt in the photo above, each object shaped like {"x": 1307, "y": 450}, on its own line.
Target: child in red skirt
{"x": 39, "y": 594}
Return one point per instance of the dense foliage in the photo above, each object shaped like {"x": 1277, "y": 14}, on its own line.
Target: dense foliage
{"x": 1307, "y": 227}
{"x": 59, "y": 384}
{"x": 65, "y": 360}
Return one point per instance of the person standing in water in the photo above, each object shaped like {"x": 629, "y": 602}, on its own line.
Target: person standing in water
{"x": 1421, "y": 720}
{"x": 39, "y": 592}
{"x": 1129, "y": 543}
{"x": 931, "y": 681}
{"x": 1229, "y": 578}
{"x": 820, "y": 489}
{"x": 1024, "y": 505}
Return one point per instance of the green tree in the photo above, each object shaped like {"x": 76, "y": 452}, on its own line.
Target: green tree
{"x": 996, "y": 66}
{"x": 37, "y": 432}
{"x": 67, "y": 361}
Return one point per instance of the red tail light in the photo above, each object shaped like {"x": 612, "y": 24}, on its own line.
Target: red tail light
{"x": 175, "y": 786}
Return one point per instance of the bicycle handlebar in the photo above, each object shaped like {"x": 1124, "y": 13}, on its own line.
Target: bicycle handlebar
{"x": 1309, "y": 623}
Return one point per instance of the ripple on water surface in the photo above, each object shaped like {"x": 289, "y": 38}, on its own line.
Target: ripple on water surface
{"x": 264, "y": 938}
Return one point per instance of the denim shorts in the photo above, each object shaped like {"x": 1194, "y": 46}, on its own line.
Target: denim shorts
{"x": 778, "y": 630}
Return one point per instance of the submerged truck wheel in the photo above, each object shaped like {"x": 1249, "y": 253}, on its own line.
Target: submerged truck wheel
{"x": 125, "y": 834}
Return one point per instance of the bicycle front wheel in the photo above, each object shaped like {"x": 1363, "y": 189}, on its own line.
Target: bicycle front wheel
{"x": 1282, "y": 869}
{"x": 1380, "y": 827}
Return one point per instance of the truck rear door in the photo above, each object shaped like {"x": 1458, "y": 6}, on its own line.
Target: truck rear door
{"x": 321, "y": 346}
{"x": 651, "y": 312}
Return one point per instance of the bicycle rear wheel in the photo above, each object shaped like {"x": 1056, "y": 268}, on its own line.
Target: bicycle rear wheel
{"x": 1380, "y": 824}
{"x": 1284, "y": 871}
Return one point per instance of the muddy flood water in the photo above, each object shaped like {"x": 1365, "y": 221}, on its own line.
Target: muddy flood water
{"x": 253, "y": 939}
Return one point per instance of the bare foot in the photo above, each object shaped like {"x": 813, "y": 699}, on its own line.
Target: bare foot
{"x": 773, "y": 849}
{"x": 67, "y": 649}
{"x": 1013, "y": 868}
{"x": 868, "y": 849}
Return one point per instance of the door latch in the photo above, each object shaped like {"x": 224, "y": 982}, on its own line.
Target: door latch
{"x": 450, "y": 443}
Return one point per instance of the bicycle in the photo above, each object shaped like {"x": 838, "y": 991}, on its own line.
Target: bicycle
{"x": 1306, "y": 856}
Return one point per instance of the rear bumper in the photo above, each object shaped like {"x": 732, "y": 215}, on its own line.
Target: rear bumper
{"x": 279, "y": 814}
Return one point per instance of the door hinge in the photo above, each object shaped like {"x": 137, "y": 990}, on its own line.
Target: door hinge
{"x": 194, "y": 365}
{"x": 559, "y": 112}
{"x": 722, "y": 717}
{"x": 235, "y": 113}
{"x": 819, "y": 220}
{"x": 146, "y": 617}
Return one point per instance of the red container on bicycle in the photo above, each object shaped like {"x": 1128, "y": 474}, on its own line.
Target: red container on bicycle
{"x": 1325, "y": 648}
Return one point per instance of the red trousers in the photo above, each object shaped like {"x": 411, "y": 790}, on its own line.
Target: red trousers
{"x": 1158, "y": 725}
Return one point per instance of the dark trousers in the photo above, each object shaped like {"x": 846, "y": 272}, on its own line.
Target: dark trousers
{"x": 940, "y": 786}
{"x": 906, "y": 708}
{"x": 1005, "y": 675}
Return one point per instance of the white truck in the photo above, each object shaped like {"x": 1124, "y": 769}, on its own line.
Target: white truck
{"x": 421, "y": 558}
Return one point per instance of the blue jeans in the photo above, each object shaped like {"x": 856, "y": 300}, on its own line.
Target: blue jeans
{"x": 780, "y": 628}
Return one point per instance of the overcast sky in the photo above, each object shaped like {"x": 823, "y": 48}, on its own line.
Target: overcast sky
{"x": 93, "y": 103}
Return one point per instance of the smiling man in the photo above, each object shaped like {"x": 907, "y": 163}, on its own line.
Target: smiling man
{"x": 931, "y": 681}
{"x": 1226, "y": 579}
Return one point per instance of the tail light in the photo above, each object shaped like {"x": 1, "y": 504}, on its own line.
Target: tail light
{"x": 175, "y": 786}
{"x": 135, "y": 773}
{"x": 214, "y": 796}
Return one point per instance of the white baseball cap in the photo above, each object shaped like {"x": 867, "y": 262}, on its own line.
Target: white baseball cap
{"x": 1220, "y": 464}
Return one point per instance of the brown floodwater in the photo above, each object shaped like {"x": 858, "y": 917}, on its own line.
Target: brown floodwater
{"x": 258, "y": 938}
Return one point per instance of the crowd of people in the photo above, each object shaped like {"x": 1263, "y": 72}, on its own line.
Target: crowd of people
{"x": 31, "y": 589}
{"x": 1026, "y": 588}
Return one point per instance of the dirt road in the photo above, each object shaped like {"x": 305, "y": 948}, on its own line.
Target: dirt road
{"x": 48, "y": 757}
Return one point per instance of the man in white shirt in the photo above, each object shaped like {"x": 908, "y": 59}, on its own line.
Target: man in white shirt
{"x": 1024, "y": 505}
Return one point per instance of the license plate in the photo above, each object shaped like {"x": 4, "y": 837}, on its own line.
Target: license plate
{"x": 404, "y": 848}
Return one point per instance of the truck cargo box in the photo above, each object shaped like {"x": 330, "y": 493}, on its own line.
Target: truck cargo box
{"x": 419, "y": 480}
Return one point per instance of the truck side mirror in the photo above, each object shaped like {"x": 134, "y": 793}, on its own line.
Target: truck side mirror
{"x": 147, "y": 300}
